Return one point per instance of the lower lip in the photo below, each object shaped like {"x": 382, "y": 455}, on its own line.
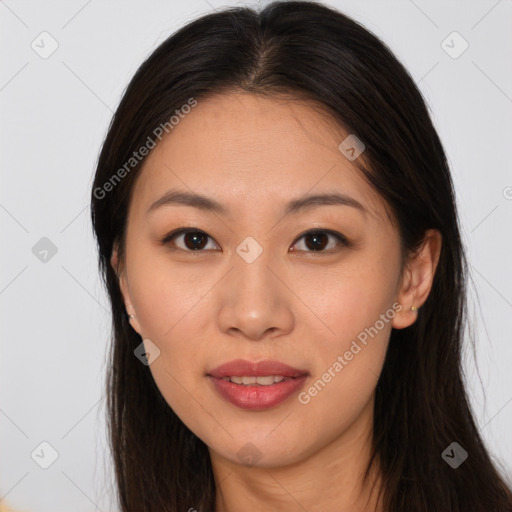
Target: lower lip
{"x": 257, "y": 397}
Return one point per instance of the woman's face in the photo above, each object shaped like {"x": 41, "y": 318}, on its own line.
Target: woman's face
{"x": 258, "y": 287}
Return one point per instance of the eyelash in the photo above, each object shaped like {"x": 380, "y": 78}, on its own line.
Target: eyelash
{"x": 343, "y": 241}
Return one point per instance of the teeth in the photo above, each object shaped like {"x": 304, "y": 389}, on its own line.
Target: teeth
{"x": 262, "y": 381}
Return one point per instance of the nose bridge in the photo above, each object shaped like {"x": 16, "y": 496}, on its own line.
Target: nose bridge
{"x": 255, "y": 302}
{"x": 252, "y": 271}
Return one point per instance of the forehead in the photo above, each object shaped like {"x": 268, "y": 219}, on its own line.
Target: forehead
{"x": 247, "y": 151}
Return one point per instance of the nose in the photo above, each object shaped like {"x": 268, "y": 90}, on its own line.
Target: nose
{"x": 256, "y": 303}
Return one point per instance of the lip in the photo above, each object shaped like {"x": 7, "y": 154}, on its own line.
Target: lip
{"x": 242, "y": 367}
{"x": 255, "y": 397}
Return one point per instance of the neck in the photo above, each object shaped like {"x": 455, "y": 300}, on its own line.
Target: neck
{"x": 332, "y": 478}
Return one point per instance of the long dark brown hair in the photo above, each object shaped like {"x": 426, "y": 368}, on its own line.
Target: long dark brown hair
{"x": 313, "y": 52}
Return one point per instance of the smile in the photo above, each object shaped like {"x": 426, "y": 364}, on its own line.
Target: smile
{"x": 261, "y": 381}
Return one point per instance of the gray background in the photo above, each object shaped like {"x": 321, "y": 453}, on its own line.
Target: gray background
{"x": 54, "y": 116}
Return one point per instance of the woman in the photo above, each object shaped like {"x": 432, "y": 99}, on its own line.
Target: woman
{"x": 279, "y": 238}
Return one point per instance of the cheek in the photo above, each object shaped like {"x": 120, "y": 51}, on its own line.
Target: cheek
{"x": 350, "y": 299}
{"x": 355, "y": 307}
{"x": 166, "y": 296}
{"x": 349, "y": 360}
{"x": 173, "y": 309}
{"x": 168, "y": 307}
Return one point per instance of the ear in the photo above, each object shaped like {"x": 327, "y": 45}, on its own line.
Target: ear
{"x": 417, "y": 278}
{"x": 120, "y": 271}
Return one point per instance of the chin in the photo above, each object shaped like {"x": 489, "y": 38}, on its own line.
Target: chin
{"x": 261, "y": 452}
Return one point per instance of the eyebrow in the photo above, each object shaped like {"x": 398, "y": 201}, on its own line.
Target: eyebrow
{"x": 305, "y": 203}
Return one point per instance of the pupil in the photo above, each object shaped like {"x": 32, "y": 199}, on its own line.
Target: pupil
{"x": 315, "y": 236}
{"x": 194, "y": 237}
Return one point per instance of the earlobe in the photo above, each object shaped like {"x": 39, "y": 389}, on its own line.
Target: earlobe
{"x": 418, "y": 279}
{"x": 123, "y": 286}
{"x": 114, "y": 260}
{"x": 130, "y": 310}
{"x": 134, "y": 323}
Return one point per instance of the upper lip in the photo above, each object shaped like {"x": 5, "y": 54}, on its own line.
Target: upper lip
{"x": 244, "y": 368}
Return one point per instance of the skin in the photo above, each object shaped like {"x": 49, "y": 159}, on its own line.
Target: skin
{"x": 292, "y": 304}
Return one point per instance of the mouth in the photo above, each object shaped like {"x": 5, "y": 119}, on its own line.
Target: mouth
{"x": 256, "y": 385}
{"x": 266, "y": 380}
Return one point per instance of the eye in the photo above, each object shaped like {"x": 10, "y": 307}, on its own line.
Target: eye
{"x": 193, "y": 240}
{"x": 315, "y": 240}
